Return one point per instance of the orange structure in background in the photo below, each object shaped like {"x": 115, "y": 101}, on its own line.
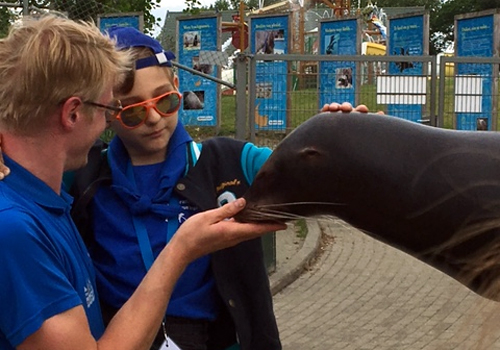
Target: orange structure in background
{"x": 239, "y": 30}
{"x": 239, "y": 27}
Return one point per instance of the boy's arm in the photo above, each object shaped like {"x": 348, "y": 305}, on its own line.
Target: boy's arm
{"x": 136, "y": 323}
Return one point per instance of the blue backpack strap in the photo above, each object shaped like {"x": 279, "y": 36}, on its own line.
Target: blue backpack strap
{"x": 193, "y": 154}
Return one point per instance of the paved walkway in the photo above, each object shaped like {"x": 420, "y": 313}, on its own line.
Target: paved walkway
{"x": 361, "y": 294}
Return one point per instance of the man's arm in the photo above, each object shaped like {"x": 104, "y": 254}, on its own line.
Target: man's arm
{"x": 136, "y": 323}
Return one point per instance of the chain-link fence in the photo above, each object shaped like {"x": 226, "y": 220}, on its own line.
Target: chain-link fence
{"x": 295, "y": 88}
{"x": 312, "y": 81}
{"x": 469, "y": 93}
{"x": 445, "y": 95}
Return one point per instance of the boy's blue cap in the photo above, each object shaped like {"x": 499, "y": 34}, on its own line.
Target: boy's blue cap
{"x": 127, "y": 37}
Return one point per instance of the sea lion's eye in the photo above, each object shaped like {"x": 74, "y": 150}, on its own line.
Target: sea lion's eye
{"x": 310, "y": 152}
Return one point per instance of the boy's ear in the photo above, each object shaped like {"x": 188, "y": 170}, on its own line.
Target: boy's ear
{"x": 176, "y": 81}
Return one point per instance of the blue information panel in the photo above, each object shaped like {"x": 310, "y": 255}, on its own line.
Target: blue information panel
{"x": 474, "y": 38}
{"x": 406, "y": 38}
{"x": 133, "y": 20}
{"x": 270, "y": 35}
{"x": 336, "y": 78}
{"x": 200, "y": 95}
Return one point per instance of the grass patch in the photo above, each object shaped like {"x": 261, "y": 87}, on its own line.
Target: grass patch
{"x": 301, "y": 228}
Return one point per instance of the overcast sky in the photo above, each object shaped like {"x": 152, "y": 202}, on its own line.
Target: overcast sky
{"x": 174, "y": 6}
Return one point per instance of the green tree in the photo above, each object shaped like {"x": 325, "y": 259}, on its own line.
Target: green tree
{"x": 221, "y": 5}
{"x": 193, "y": 7}
{"x": 444, "y": 19}
{"x": 90, "y": 9}
{"x": 7, "y": 16}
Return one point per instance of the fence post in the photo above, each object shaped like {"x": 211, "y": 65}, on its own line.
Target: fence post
{"x": 26, "y": 9}
{"x": 240, "y": 68}
{"x": 441, "y": 93}
{"x": 432, "y": 113}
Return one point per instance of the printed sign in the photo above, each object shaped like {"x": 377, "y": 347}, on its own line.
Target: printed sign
{"x": 474, "y": 38}
{"x": 130, "y": 19}
{"x": 200, "y": 95}
{"x": 406, "y": 38}
{"x": 270, "y": 35}
{"x": 337, "y": 81}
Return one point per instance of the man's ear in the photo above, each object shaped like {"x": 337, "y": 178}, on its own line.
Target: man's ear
{"x": 70, "y": 111}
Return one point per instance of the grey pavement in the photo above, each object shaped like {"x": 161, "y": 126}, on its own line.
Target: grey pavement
{"x": 362, "y": 294}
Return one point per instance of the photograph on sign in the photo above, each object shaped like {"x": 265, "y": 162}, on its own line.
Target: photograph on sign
{"x": 193, "y": 99}
{"x": 192, "y": 40}
{"x": 332, "y": 44}
{"x": 343, "y": 78}
{"x": 270, "y": 41}
{"x": 202, "y": 67}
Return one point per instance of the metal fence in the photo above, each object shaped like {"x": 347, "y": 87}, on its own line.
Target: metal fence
{"x": 370, "y": 84}
{"x": 469, "y": 101}
{"x": 439, "y": 97}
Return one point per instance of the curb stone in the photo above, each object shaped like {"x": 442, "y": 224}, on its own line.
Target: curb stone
{"x": 294, "y": 267}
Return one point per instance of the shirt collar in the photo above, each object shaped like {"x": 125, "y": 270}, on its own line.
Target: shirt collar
{"x": 22, "y": 181}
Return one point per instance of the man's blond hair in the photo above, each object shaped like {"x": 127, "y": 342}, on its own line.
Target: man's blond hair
{"x": 44, "y": 61}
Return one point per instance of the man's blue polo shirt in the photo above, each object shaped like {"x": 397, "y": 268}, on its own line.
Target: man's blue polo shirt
{"x": 45, "y": 268}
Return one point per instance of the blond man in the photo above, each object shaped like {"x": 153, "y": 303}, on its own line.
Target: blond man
{"x": 56, "y": 94}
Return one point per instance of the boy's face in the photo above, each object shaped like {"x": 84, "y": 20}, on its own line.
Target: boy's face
{"x": 147, "y": 143}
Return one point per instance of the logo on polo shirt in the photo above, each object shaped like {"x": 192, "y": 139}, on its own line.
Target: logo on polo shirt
{"x": 89, "y": 293}
{"x": 181, "y": 217}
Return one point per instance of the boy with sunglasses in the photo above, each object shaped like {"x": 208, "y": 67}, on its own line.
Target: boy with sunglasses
{"x": 132, "y": 198}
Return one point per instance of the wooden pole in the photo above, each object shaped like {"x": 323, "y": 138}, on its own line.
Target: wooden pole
{"x": 242, "y": 26}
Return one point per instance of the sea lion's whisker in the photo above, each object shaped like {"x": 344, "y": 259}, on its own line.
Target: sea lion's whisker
{"x": 258, "y": 213}
{"x": 299, "y": 203}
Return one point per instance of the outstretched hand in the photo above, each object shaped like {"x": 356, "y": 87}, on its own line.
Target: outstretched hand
{"x": 345, "y": 107}
{"x": 4, "y": 171}
{"x": 214, "y": 229}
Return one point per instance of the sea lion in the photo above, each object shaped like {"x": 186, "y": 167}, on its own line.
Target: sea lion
{"x": 434, "y": 193}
